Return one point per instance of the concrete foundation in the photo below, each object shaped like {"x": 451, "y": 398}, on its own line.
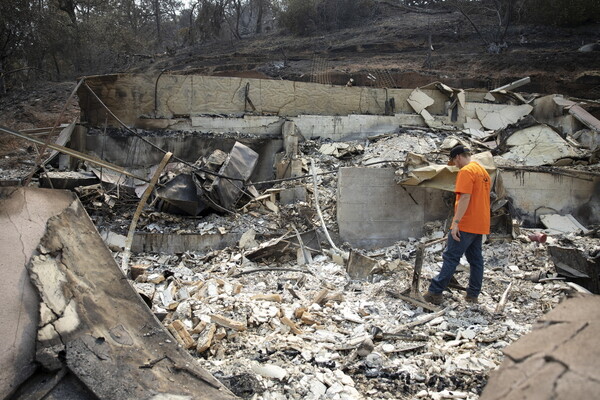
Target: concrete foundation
{"x": 180, "y": 243}
{"x": 337, "y": 128}
{"x": 374, "y": 211}
{"x": 250, "y": 124}
{"x": 352, "y": 127}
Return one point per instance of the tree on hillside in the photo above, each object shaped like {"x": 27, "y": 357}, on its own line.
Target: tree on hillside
{"x": 489, "y": 18}
{"x": 305, "y": 17}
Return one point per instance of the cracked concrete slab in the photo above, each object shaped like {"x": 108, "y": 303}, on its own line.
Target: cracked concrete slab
{"x": 23, "y": 216}
{"x": 500, "y": 119}
{"x": 99, "y": 327}
{"x": 92, "y": 327}
{"x": 557, "y": 360}
{"x": 419, "y": 100}
{"x": 533, "y": 344}
{"x": 538, "y": 145}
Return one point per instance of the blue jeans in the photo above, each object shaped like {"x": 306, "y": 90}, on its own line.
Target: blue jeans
{"x": 470, "y": 246}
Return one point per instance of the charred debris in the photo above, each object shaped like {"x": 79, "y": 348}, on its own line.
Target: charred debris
{"x": 287, "y": 264}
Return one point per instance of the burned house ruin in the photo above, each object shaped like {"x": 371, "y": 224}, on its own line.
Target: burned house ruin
{"x": 277, "y": 229}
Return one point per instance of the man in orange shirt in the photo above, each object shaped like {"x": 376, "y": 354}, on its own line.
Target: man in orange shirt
{"x": 471, "y": 221}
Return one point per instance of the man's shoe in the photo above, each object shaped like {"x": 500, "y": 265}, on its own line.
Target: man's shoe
{"x": 470, "y": 299}
{"x": 433, "y": 298}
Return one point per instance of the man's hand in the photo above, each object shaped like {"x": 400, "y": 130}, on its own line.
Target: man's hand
{"x": 461, "y": 208}
{"x": 455, "y": 232}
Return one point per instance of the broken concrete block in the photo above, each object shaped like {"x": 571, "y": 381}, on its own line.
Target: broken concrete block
{"x": 432, "y": 122}
{"x": 562, "y": 223}
{"x": 293, "y": 195}
{"x": 585, "y": 117}
{"x": 540, "y": 362}
{"x": 538, "y": 145}
{"x": 419, "y": 100}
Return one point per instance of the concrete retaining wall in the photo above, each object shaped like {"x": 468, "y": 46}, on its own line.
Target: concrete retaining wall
{"x": 133, "y": 96}
{"x": 538, "y": 193}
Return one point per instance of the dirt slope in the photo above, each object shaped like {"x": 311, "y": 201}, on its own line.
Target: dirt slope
{"x": 397, "y": 46}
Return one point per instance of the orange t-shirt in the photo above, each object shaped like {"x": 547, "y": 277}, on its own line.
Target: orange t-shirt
{"x": 474, "y": 180}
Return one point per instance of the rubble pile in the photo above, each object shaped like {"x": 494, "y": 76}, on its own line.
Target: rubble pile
{"x": 308, "y": 331}
{"x": 279, "y": 307}
{"x": 271, "y": 322}
{"x": 280, "y": 315}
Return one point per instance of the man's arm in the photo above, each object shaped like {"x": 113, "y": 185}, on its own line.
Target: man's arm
{"x": 461, "y": 209}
